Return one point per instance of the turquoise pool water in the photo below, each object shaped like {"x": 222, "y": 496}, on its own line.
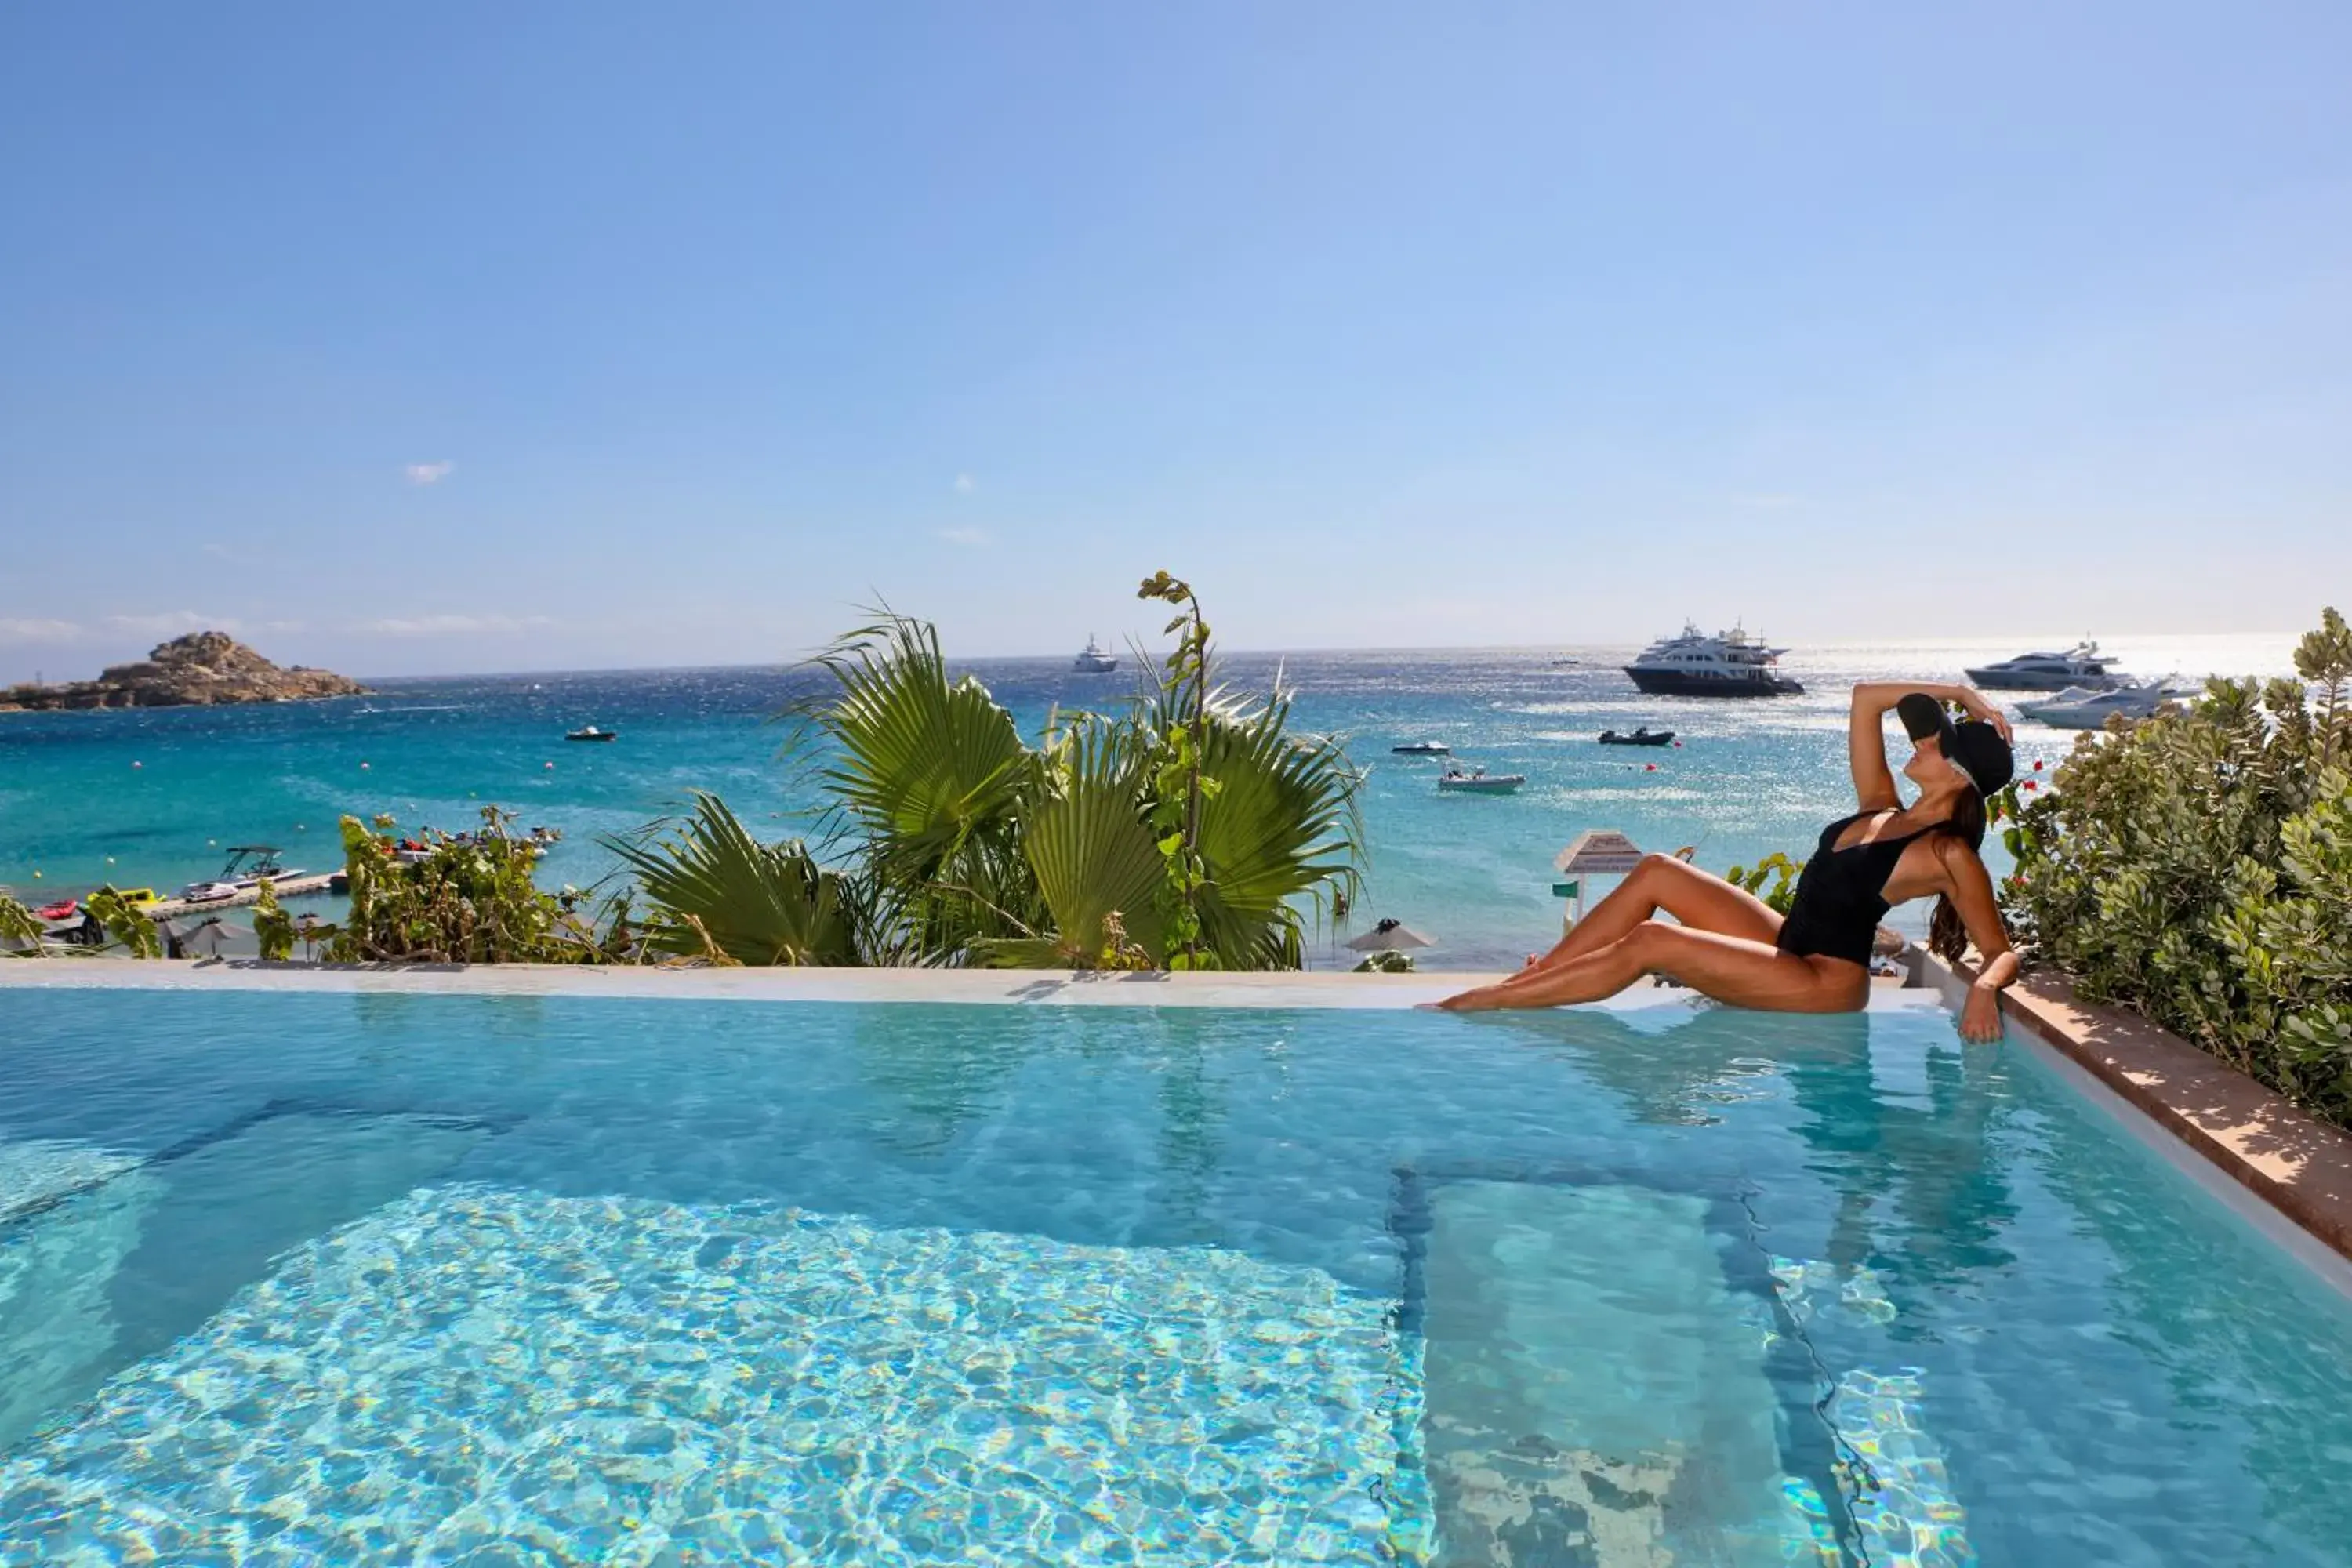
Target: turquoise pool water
{"x": 403, "y": 1279}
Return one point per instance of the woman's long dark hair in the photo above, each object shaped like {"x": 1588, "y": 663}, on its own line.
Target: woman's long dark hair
{"x": 1947, "y": 936}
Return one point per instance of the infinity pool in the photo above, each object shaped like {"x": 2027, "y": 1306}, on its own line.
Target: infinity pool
{"x": 300, "y": 1278}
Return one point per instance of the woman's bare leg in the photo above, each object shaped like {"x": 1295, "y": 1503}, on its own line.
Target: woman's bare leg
{"x": 1697, "y": 899}
{"x": 1738, "y": 970}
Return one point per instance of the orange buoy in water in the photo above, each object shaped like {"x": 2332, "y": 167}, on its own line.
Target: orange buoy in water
{"x": 1651, "y": 769}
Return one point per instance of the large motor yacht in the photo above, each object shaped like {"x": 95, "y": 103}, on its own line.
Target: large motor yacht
{"x": 1093, "y": 660}
{"x": 2083, "y": 665}
{"x": 1728, "y": 663}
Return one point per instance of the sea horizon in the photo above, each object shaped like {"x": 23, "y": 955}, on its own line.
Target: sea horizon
{"x": 2269, "y": 652}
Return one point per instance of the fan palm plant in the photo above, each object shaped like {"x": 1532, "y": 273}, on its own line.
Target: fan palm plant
{"x": 1098, "y": 871}
{"x": 946, "y": 839}
{"x": 929, "y": 780}
{"x": 716, "y": 893}
{"x": 1282, "y": 829}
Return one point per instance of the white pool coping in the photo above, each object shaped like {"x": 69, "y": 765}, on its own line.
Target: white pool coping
{"x": 983, "y": 986}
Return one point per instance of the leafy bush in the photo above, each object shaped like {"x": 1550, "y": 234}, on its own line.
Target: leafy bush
{"x": 2197, "y": 866}
{"x": 20, "y": 926}
{"x": 1776, "y": 868}
{"x": 126, "y": 924}
{"x": 471, "y": 900}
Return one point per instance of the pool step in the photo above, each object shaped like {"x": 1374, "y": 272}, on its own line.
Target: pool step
{"x": 1899, "y": 1493}
{"x": 1592, "y": 1389}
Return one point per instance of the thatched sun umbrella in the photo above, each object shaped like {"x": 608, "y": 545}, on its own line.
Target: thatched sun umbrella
{"x": 1390, "y": 936}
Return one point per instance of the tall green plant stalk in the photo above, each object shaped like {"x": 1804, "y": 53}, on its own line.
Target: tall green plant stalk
{"x": 1182, "y": 784}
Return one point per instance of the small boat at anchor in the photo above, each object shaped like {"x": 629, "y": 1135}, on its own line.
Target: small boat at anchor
{"x": 589, "y": 733}
{"x": 1478, "y": 781}
{"x": 1644, "y": 736}
{"x": 1422, "y": 749}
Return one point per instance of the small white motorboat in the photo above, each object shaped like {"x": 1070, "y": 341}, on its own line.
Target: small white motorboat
{"x": 1422, "y": 749}
{"x": 2081, "y": 707}
{"x": 1478, "y": 781}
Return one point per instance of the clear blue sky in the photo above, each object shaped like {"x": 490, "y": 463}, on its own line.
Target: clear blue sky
{"x": 433, "y": 337}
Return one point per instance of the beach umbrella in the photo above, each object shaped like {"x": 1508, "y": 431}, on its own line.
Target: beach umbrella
{"x": 1390, "y": 936}
{"x": 207, "y": 941}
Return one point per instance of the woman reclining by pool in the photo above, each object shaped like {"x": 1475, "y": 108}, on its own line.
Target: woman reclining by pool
{"x": 1732, "y": 946}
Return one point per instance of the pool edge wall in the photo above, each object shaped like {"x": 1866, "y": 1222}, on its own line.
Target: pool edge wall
{"x": 2299, "y": 1167}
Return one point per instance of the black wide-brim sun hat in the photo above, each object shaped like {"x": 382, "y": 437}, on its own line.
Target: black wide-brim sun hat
{"x": 1973, "y": 746}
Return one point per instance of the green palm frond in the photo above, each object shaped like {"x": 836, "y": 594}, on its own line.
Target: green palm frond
{"x": 1283, "y": 825}
{"x": 928, "y": 778}
{"x": 921, "y": 761}
{"x": 713, "y": 886}
{"x": 1093, "y": 856}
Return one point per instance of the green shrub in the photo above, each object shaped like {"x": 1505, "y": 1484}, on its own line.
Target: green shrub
{"x": 472, "y": 900}
{"x": 1776, "y": 869}
{"x": 20, "y": 926}
{"x": 2197, "y": 868}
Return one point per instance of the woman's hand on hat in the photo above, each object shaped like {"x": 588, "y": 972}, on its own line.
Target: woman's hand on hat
{"x": 1980, "y": 707}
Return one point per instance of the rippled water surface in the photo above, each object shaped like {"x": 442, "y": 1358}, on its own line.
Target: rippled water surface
{"x": 377, "y": 1278}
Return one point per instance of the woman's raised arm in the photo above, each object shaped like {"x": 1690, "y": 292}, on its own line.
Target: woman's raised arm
{"x": 1865, "y": 738}
{"x": 1865, "y": 745}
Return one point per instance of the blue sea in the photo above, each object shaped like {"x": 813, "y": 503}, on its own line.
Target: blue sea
{"x": 154, "y": 797}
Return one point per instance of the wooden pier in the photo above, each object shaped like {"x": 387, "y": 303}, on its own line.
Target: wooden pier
{"x": 309, "y": 885}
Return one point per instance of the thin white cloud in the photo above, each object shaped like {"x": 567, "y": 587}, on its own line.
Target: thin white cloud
{"x": 452, "y": 626}
{"x": 428, "y": 473}
{"x": 171, "y": 623}
{"x": 970, "y": 538}
{"x": 38, "y": 631}
{"x": 965, "y": 484}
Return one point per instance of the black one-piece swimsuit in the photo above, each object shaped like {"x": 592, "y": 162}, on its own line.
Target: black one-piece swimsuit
{"x": 1841, "y": 893}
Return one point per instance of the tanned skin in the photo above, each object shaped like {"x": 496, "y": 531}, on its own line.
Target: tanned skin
{"x": 1720, "y": 941}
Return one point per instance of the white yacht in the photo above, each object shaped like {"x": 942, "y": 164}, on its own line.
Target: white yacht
{"x": 2083, "y": 665}
{"x": 1728, "y": 663}
{"x": 2080, "y": 708}
{"x": 1093, "y": 660}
